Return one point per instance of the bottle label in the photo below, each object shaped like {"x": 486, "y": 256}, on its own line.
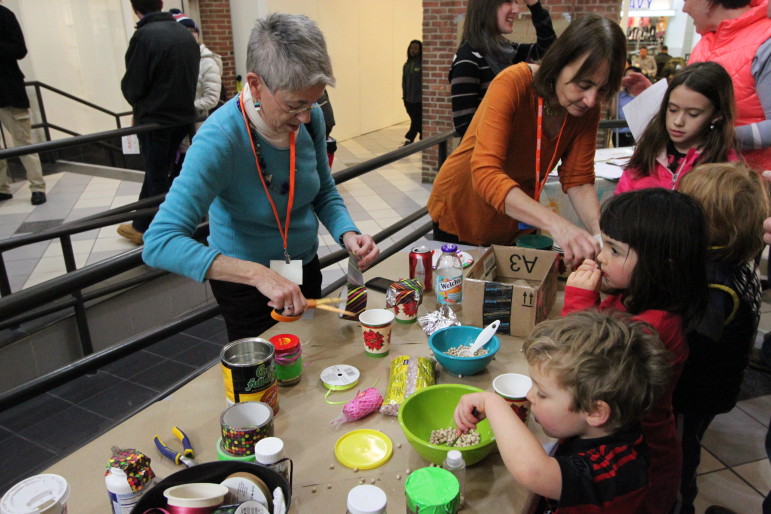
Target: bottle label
{"x": 449, "y": 290}
{"x": 124, "y": 503}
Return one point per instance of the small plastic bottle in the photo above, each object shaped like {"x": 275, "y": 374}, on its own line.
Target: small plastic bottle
{"x": 448, "y": 279}
{"x": 122, "y": 497}
{"x": 366, "y": 499}
{"x": 270, "y": 452}
{"x": 455, "y": 464}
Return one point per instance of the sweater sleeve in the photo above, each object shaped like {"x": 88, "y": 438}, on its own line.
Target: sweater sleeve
{"x": 578, "y": 299}
{"x": 328, "y": 204}
{"x": 206, "y": 172}
{"x": 465, "y": 87}
{"x": 544, "y": 34}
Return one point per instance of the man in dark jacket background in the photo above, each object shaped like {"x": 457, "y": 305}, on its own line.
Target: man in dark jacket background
{"x": 161, "y": 76}
{"x": 14, "y": 107}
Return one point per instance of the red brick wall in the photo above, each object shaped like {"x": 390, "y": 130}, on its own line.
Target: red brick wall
{"x": 439, "y": 45}
{"x": 217, "y": 34}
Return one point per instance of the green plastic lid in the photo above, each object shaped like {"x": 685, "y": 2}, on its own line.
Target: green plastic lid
{"x": 535, "y": 241}
{"x": 432, "y": 491}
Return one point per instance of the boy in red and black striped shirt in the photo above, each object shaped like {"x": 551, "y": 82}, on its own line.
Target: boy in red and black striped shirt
{"x": 595, "y": 375}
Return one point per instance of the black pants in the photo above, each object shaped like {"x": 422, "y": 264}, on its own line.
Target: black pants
{"x": 692, "y": 428}
{"x": 415, "y": 112}
{"x": 246, "y": 310}
{"x": 159, "y": 148}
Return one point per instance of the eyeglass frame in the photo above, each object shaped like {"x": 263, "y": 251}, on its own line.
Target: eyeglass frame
{"x": 293, "y": 112}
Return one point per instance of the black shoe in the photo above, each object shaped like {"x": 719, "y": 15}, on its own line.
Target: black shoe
{"x": 406, "y": 142}
{"x": 38, "y": 198}
{"x": 5, "y": 196}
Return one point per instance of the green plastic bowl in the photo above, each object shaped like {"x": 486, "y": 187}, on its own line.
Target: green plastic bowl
{"x": 431, "y": 409}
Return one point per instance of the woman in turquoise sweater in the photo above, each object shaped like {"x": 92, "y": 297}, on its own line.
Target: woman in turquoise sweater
{"x": 238, "y": 171}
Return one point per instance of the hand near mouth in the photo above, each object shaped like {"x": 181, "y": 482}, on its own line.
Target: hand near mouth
{"x": 587, "y": 276}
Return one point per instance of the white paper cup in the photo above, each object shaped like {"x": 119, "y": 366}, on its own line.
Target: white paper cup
{"x": 513, "y": 388}
{"x": 205, "y": 497}
{"x": 43, "y": 494}
{"x": 376, "y": 331}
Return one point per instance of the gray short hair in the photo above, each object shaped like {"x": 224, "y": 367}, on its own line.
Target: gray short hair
{"x": 289, "y": 52}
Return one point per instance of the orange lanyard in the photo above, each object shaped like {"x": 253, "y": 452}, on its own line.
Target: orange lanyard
{"x": 284, "y": 231}
{"x": 539, "y": 184}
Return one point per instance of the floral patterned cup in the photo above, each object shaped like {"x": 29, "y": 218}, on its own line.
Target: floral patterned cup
{"x": 376, "y": 331}
{"x": 406, "y": 312}
{"x": 513, "y": 387}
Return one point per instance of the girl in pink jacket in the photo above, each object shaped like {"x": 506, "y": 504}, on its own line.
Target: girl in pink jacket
{"x": 694, "y": 125}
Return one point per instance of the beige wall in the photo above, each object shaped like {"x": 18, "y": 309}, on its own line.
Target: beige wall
{"x": 78, "y": 46}
{"x": 368, "y": 44}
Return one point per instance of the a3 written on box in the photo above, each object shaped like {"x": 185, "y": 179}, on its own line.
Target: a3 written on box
{"x": 513, "y": 284}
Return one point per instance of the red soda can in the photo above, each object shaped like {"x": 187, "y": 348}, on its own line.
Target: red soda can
{"x": 420, "y": 266}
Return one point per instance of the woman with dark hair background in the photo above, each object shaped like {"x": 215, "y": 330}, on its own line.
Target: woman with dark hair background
{"x": 484, "y": 51}
{"x": 487, "y": 191}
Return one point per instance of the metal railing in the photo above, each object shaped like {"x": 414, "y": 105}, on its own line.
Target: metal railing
{"x": 67, "y": 291}
{"x": 37, "y": 300}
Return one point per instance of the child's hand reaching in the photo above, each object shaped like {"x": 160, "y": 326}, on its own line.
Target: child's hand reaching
{"x": 470, "y": 411}
{"x": 587, "y": 276}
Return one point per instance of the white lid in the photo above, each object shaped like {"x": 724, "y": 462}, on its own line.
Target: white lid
{"x": 269, "y": 450}
{"x": 45, "y": 493}
{"x": 454, "y": 458}
{"x": 367, "y": 499}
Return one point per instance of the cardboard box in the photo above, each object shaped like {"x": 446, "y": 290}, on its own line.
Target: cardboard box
{"x": 513, "y": 284}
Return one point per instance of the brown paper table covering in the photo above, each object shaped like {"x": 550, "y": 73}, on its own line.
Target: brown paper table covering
{"x": 303, "y": 421}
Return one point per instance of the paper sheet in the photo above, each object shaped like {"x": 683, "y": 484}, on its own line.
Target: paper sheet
{"x": 641, "y": 110}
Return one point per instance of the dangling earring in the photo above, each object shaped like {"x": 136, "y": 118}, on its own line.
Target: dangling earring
{"x": 712, "y": 126}
{"x": 256, "y": 106}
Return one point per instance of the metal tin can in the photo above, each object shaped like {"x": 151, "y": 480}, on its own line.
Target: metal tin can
{"x": 421, "y": 267}
{"x": 249, "y": 372}
{"x": 289, "y": 361}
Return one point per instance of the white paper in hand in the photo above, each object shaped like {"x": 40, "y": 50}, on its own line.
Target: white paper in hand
{"x": 640, "y": 111}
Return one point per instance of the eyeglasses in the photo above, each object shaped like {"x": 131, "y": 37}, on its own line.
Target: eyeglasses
{"x": 293, "y": 112}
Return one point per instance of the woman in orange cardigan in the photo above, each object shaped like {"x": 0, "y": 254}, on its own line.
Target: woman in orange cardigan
{"x": 487, "y": 190}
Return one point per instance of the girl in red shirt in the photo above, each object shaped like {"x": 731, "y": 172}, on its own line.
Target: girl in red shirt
{"x": 652, "y": 265}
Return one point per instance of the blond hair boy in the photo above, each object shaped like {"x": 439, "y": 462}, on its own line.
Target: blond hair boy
{"x": 595, "y": 375}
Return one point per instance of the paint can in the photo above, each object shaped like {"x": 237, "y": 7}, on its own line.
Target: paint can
{"x": 249, "y": 372}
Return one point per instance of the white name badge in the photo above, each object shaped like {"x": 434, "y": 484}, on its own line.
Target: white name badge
{"x": 292, "y": 271}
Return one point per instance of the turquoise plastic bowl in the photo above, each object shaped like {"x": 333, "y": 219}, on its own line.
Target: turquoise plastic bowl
{"x": 431, "y": 409}
{"x": 450, "y": 337}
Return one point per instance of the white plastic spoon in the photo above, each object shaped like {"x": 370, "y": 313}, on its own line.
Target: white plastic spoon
{"x": 484, "y": 336}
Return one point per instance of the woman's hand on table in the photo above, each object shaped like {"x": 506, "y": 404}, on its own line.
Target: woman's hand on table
{"x": 587, "y": 276}
{"x": 363, "y": 247}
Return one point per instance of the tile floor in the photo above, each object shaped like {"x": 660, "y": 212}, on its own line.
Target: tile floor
{"x": 735, "y": 470}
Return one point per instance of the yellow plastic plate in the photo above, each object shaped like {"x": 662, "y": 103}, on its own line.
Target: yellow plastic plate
{"x": 363, "y": 449}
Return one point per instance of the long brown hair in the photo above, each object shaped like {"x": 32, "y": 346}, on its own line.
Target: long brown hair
{"x": 600, "y": 39}
{"x": 480, "y": 28}
{"x": 711, "y": 80}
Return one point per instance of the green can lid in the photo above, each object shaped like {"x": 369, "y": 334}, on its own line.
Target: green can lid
{"x": 535, "y": 241}
{"x": 432, "y": 491}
